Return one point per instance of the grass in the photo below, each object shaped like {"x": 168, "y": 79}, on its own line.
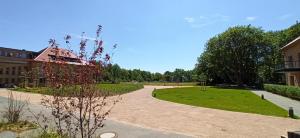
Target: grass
{"x": 239, "y": 100}
{"x": 17, "y": 127}
{"x": 171, "y": 83}
{"x": 120, "y": 88}
{"x": 113, "y": 89}
{"x": 50, "y": 135}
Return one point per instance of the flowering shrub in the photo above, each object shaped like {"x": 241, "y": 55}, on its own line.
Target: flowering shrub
{"x": 84, "y": 108}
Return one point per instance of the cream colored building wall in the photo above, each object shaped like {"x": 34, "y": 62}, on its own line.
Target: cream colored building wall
{"x": 296, "y": 78}
{"x": 10, "y": 72}
{"x": 294, "y": 51}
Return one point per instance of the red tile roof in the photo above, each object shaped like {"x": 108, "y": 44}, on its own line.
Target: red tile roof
{"x": 50, "y": 53}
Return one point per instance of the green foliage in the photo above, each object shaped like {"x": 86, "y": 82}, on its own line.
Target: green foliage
{"x": 245, "y": 55}
{"x": 50, "y": 135}
{"x": 171, "y": 83}
{"x": 115, "y": 74}
{"x": 234, "y": 56}
{"x": 17, "y": 126}
{"x": 154, "y": 93}
{"x": 112, "y": 89}
{"x": 284, "y": 90}
{"x": 121, "y": 88}
{"x": 239, "y": 100}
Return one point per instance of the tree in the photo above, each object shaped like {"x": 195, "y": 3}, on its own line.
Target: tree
{"x": 245, "y": 55}
{"x": 77, "y": 106}
{"x": 233, "y": 56}
{"x": 157, "y": 77}
{"x": 168, "y": 76}
{"x": 115, "y": 73}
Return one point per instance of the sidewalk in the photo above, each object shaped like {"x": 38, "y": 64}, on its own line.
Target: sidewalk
{"x": 281, "y": 101}
{"x": 123, "y": 130}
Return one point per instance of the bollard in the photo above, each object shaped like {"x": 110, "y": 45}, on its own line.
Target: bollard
{"x": 262, "y": 97}
{"x": 291, "y": 112}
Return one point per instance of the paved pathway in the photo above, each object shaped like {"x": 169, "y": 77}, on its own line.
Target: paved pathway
{"x": 123, "y": 130}
{"x": 281, "y": 101}
{"x": 140, "y": 109}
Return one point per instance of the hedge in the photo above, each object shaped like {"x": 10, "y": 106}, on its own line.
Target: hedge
{"x": 284, "y": 90}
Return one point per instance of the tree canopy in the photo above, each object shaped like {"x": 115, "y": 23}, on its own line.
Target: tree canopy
{"x": 114, "y": 73}
{"x": 244, "y": 55}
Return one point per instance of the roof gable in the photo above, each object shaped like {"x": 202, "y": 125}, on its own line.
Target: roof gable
{"x": 297, "y": 40}
{"x": 50, "y": 53}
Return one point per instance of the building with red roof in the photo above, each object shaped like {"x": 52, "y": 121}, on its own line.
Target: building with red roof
{"x": 15, "y": 63}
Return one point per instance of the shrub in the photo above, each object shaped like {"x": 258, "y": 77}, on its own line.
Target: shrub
{"x": 78, "y": 108}
{"x": 15, "y": 109}
{"x": 50, "y": 135}
{"x": 154, "y": 94}
{"x": 17, "y": 126}
{"x": 284, "y": 90}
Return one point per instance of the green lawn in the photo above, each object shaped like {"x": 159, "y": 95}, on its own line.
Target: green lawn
{"x": 120, "y": 88}
{"x": 225, "y": 99}
{"x": 113, "y": 89}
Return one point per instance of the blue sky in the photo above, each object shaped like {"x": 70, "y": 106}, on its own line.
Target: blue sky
{"x": 153, "y": 35}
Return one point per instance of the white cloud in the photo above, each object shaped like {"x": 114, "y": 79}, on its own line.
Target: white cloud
{"x": 202, "y": 21}
{"x": 251, "y": 18}
{"x": 202, "y": 17}
{"x": 189, "y": 19}
{"x": 285, "y": 16}
{"x": 82, "y": 37}
{"x": 200, "y": 25}
{"x": 220, "y": 17}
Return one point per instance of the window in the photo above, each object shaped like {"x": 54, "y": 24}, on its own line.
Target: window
{"x": 298, "y": 62}
{"x": 7, "y": 71}
{"x": 23, "y": 55}
{"x": 19, "y": 70}
{"x": 18, "y": 55}
{"x": 13, "y": 72}
{"x": 1, "y": 71}
{"x": 1, "y": 80}
{"x": 6, "y": 80}
{"x": 52, "y": 58}
{"x": 290, "y": 62}
{"x": 9, "y": 54}
{"x": 12, "y": 80}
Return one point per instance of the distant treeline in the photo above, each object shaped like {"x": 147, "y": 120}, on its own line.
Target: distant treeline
{"x": 114, "y": 73}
